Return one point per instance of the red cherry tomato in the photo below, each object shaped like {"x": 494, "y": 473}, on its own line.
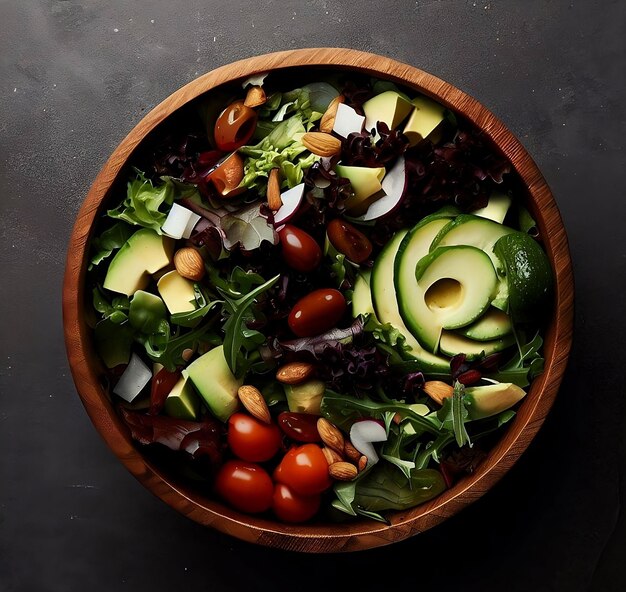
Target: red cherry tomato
{"x": 304, "y": 469}
{"x": 300, "y": 250}
{"x": 291, "y": 507}
{"x": 349, "y": 241}
{"x": 317, "y": 312}
{"x": 234, "y": 126}
{"x": 162, "y": 384}
{"x": 251, "y": 439}
{"x": 301, "y": 427}
{"x": 245, "y": 486}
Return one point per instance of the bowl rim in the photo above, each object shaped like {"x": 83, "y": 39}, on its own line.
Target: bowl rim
{"x": 362, "y": 534}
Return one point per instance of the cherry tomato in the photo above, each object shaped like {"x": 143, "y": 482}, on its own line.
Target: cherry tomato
{"x": 251, "y": 439}
{"x": 162, "y": 384}
{"x": 304, "y": 469}
{"x": 245, "y": 486}
{"x": 300, "y": 250}
{"x": 234, "y": 126}
{"x": 317, "y": 312}
{"x": 349, "y": 241}
{"x": 301, "y": 427}
{"x": 292, "y": 507}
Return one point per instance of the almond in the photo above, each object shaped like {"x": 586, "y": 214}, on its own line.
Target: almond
{"x": 342, "y": 471}
{"x": 321, "y": 143}
{"x": 331, "y": 455}
{"x": 330, "y": 435}
{"x": 295, "y": 372}
{"x": 189, "y": 264}
{"x": 328, "y": 119}
{"x": 351, "y": 452}
{"x": 362, "y": 463}
{"x": 255, "y": 97}
{"x": 252, "y": 399}
{"x": 438, "y": 390}
{"x": 273, "y": 190}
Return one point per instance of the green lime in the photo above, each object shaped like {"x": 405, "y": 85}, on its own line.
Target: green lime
{"x": 528, "y": 276}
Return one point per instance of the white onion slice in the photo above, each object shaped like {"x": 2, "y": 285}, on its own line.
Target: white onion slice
{"x": 292, "y": 198}
{"x": 133, "y": 379}
{"x": 178, "y": 221}
{"x": 347, "y": 120}
{"x": 363, "y": 434}
{"x": 193, "y": 220}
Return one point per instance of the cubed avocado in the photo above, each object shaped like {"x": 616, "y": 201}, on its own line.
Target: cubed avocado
{"x": 488, "y": 400}
{"x": 425, "y": 117}
{"x": 365, "y": 181}
{"x": 217, "y": 385}
{"x": 177, "y": 292}
{"x": 145, "y": 252}
{"x": 305, "y": 397}
{"x": 183, "y": 402}
{"x": 389, "y": 107}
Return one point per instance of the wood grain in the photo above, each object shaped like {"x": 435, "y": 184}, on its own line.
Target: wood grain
{"x": 86, "y": 368}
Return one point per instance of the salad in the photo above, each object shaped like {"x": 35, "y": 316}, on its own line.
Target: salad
{"x": 318, "y": 299}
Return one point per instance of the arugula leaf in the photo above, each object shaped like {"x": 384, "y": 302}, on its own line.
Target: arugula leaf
{"x": 525, "y": 365}
{"x": 453, "y": 415}
{"x": 203, "y": 306}
{"x": 111, "y": 239}
{"x": 237, "y": 336}
{"x": 115, "y": 311}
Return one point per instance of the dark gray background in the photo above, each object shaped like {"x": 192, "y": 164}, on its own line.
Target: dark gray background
{"x": 76, "y": 76}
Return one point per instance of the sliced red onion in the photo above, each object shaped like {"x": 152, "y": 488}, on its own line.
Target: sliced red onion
{"x": 178, "y": 221}
{"x": 347, "y": 120}
{"x": 292, "y": 198}
{"x": 133, "y": 379}
{"x": 363, "y": 434}
{"x": 393, "y": 186}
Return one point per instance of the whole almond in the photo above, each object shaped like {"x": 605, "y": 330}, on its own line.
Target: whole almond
{"x": 252, "y": 399}
{"x": 438, "y": 390}
{"x": 351, "y": 452}
{"x": 331, "y": 455}
{"x": 295, "y": 372}
{"x": 362, "y": 463}
{"x": 342, "y": 471}
{"x": 189, "y": 263}
{"x": 255, "y": 97}
{"x": 321, "y": 143}
{"x": 274, "y": 200}
{"x": 330, "y": 434}
{"x": 328, "y": 119}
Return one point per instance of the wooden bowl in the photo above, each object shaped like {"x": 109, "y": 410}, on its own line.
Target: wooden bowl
{"x": 86, "y": 367}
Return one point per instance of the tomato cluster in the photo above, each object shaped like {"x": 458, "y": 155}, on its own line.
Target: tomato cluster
{"x": 257, "y": 479}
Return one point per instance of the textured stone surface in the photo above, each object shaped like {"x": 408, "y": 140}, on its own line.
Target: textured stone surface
{"x": 77, "y": 76}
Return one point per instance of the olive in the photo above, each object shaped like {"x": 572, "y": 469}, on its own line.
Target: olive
{"x": 234, "y": 126}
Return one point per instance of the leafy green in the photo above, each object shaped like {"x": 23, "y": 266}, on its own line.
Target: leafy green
{"x": 147, "y": 205}
{"x": 247, "y": 228}
{"x": 239, "y": 339}
{"x": 111, "y": 239}
{"x": 115, "y": 311}
{"x": 203, "y": 306}
{"x": 525, "y": 365}
{"x": 113, "y": 342}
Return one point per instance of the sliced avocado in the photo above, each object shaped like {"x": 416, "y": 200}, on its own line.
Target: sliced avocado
{"x": 183, "y": 402}
{"x": 489, "y": 400}
{"x": 213, "y": 379}
{"x": 496, "y": 209}
{"x": 145, "y": 252}
{"x": 177, "y": 292}
{"x": 452, "y": 344}
{"x": 389, "y": 107}
{"x": 448, "y": 288}
{"x": 528, "y": 276}
{"x": 385, "y": 301}
{"x": 305, "y": 397}
{"x": 425, "y": 117}
{"x": 146, "y": 311}
{"x": 365, "y": 181}
{"x": 361, "y": 295}
{"x": 491, "y": 325}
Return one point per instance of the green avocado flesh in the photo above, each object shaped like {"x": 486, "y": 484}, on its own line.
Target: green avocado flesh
{"x": 489, "y": 400}
{"x": 452, "y": 344}
{"x": 492, "y": 325}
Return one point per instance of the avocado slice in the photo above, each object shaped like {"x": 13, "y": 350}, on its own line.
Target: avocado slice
{"x": 385, "y": 301}
{"x": 215, "y": 382}
{"x": 177, "y": 292}
{"x": 365, "y": 181}
{"x": 492, "y": 325}
{"x": 145, "y": 252}
{"x": 305, "y": 397}
{"x": 452, "y": 344}
{"x": 183, "y": 402}
{"x": 425, "y": 117}
{"x": 361, "y": 295}
{"x": 496, "y": 209}
{"x": 389, "y": 107}
{"x": 488, "y": 400}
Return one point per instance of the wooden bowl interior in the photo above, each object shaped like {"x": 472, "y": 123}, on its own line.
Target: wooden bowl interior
{"x": 87, "y": 370}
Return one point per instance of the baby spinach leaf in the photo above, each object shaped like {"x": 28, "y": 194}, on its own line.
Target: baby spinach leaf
{"x": 109, "y": 240}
